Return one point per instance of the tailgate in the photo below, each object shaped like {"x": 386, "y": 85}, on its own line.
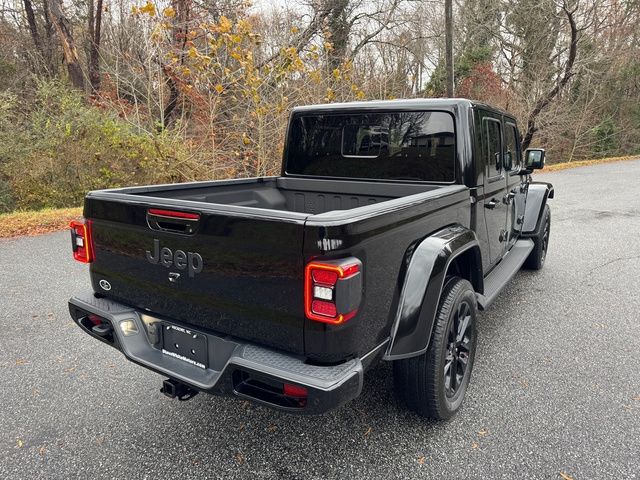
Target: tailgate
{"x": 239, "y": 271}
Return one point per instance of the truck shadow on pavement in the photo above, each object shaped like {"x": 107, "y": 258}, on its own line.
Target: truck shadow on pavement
{"x": 255, "y": 434}
{"x": 246, "y": 432}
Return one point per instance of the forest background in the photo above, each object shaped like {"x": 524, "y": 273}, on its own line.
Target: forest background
{"x": 108, "y": 93}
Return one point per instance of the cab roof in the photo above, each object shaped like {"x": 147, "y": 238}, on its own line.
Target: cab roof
{"x": 400, "y": 104}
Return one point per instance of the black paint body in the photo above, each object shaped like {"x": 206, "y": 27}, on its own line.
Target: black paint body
{"x": 255, "y": 237}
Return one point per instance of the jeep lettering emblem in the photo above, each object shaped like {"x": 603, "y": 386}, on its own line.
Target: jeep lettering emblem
{"x": 104, "y": 285}
{"x": 190, "y": 261}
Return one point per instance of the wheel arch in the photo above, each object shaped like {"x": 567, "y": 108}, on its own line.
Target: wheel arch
{"x": 453, "y": 250}
{"x": 537, "y": 195}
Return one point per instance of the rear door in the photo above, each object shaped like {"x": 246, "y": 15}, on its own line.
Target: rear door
{"x": 495, "y": 184}
{"x": 229, "y": 272}
{"x": 516, "y": 194}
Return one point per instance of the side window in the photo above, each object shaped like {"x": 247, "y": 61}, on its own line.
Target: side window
{"x": 512, "y": 146}
{"x": 493, "y": 147}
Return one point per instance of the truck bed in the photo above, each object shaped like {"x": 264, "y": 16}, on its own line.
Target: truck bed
{"x": 301, "y": 195}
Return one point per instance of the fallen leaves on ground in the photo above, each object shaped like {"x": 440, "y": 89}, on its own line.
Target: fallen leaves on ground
{"x": 421, "y": 460}
{"x": 238, "y": 458}
{"x": 583, "y": 163}
{"x": 482, "y": 432}
{"x": 37, "y": 222}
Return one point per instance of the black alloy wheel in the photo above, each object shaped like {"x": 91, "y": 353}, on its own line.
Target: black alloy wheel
{"x": 460, "y": 345}
{"x": 434, "y": 383}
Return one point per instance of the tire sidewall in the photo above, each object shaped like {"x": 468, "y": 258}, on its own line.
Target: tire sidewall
{"x": 544, "y": 224}
{"x": 462, "y": 291}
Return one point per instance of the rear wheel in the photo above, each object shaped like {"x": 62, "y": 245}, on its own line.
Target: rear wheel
{"x": 535, "y": 260}
{"x": 434, "y": 384}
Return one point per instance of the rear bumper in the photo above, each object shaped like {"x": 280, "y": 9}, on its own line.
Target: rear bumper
{"x": 234, "y": 367}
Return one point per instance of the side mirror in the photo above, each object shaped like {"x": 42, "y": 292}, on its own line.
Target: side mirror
{"x": 534, "y": 158}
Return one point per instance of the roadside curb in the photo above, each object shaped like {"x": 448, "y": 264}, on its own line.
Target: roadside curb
{"x": 554, "y": 167}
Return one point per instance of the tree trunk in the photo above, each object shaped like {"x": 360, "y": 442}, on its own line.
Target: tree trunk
{"x": 448, "y": 36}
{"x": 49, "y": 47}
{"x": 94, "y": 30}
{"x": 63, "y": 28}
{"x": 33, "y": 26}
{"x": 180, "y": 30}
{"x": 339, "y": 29}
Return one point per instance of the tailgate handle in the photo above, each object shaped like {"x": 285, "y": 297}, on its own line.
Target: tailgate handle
{"x": 173, "y": 221}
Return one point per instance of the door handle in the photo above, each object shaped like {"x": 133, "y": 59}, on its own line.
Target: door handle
{"x": 508, "y": 197}
{"x": 491, "y": 204}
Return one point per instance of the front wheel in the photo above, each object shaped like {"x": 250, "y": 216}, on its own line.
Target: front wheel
{"x": 434, "y": 384}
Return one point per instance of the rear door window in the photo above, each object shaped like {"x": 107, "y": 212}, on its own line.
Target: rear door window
{"x": 493, "y": 152}
{"x": 512, "y": 146}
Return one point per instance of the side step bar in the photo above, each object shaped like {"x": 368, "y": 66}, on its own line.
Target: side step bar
{"x": 504, "y": 271}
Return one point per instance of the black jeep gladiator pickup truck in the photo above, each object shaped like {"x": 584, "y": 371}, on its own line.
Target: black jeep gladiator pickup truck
{"x": 391, "y": 224}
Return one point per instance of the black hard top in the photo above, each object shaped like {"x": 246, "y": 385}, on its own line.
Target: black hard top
{"x": 400, "y": 104}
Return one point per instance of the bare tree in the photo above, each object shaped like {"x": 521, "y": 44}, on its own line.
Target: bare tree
{"x": 94, "y": 30}
{"x": 65, "y": 35}
{"x": 562, "y": 81}
{"x": 448, "y": 20}
{"x": 33, "y": 26}
{"x": 42, "y": 41}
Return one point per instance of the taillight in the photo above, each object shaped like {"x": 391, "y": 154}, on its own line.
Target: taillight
{"x": 333, "y": 290}
{"x": 81, "y": 241}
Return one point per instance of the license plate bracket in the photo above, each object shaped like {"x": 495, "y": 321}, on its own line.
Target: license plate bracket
{"x": 185, "y": 345}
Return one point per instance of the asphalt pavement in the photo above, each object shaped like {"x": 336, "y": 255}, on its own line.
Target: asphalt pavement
{"x": 555, "y": 389}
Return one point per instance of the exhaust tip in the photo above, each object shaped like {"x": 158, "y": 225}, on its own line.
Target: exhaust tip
{"x": 103, "y": 330}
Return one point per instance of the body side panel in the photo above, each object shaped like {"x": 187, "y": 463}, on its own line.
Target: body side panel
{"x": 384, "y": 243}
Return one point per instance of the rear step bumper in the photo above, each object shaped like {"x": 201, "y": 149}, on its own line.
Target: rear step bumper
{"x": 234, "y": 367}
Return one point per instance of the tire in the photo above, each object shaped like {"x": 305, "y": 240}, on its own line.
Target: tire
{"x": 423, "y": 382}
{"x": 535, "y": 260}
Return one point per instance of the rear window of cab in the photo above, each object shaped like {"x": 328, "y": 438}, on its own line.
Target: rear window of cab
{"x": 414, "y": 145}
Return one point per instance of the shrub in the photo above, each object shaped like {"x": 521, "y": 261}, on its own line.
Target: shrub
{"x": 56, "y": 147}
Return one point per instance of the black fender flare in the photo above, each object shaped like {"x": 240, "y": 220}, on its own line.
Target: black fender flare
{"x": 537, "y": 195}
{"x": 423, "y": 284}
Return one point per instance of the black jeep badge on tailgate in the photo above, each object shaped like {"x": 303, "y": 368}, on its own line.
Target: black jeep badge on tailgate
{"x": 190, "y": 260}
